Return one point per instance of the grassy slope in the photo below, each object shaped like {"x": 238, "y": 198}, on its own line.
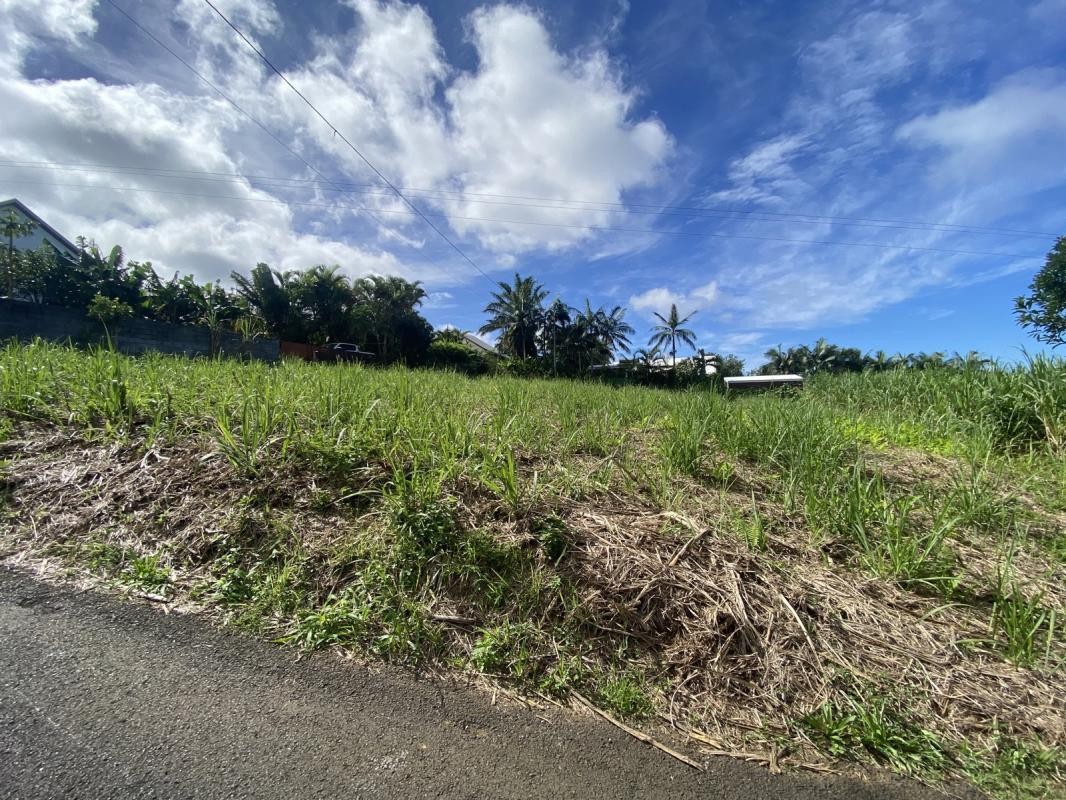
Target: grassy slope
{"x": 873, "y": 569}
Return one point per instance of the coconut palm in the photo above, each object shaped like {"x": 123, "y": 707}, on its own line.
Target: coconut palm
{"x": 517, "y": 314}
{"x": 268, "y": 294}
{"x": 557, "y": 323}
{"x": 647, "y": 357}
{"x": 324, "y": 298}
{"x": 386, "y": 318}
{"x": 613, "y": 330}
{"x": 669, "y": 331}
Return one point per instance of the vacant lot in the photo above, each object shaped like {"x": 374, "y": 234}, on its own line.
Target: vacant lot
{"x": 871, "y": 570}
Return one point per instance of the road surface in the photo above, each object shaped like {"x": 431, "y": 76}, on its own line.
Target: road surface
{"x": 101, "y": 697}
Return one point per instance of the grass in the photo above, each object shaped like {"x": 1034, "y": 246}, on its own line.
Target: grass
{"x": 684, "y": 552}
{"x": 855, "y": 722}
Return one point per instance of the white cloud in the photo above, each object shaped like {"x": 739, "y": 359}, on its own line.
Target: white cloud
{"x": 840, "y": 151}
{"x": 24, "y": 21}
{"x": 210, "y": 233}
{"x": 529, "y": 119}
{"x": 1026, "y": 111}
{"x": 658, "y": 300}
{"x": 765, "y": 174}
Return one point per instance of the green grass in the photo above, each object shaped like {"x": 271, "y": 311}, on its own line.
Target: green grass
{"x": 861, "y": 722}
{"x": 422, "y": 516}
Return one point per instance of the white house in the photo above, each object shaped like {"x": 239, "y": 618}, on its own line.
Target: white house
{"x": 479, "y": 345}
{"x": 43, "y": 233}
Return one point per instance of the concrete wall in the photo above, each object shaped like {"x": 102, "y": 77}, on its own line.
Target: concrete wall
{"x": 26, "y": 321}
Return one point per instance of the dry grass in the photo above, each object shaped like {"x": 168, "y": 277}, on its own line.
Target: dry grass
{"x": 739, "y": 644}
{"x": 870, "y": 571}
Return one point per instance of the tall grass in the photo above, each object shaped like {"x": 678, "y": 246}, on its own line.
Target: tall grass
{"x": 463, "y": 487}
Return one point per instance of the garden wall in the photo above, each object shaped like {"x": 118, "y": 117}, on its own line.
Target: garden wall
{"x": 26, "y": 321}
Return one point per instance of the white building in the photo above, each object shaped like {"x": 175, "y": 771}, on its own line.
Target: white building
{"x": 43, "y": 233}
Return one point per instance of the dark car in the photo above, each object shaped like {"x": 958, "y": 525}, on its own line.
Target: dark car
{"x": 343, "y": 351}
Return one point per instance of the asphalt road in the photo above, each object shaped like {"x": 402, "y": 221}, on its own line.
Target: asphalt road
{"x": 104, "y": 698}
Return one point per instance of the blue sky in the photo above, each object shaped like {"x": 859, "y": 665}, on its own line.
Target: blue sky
{"x": 747, "y": 157}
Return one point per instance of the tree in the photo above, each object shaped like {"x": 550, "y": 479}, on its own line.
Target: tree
{"x": 611, "y": 329}
{"x": 108, "y": 311}
{"x": 14, "y": 227}
{"x": 1043, "y": 310}
{"x": 556, "y": 331}
{"x": 647, "y": 357}
{"x": 36, "y": 273}
{"x": 669, "y": 331}
{"x": 386, "y": 321}
{"x": 181, "y": 300}
{"x": 450, "y": 335}
{"x": 517, "y": 314}
{"x": 323, "y": 299}
{"x": 729, "y": 366}
{"x": 267, "y": 293}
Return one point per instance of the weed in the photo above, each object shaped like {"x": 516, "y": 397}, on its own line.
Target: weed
{"x": 1023, "y": 627}
{"x": 1009, "y": 767}
{"x": 551, "y": 533}
{"x": 506, "y": 649}
{"x": 428, "y": 511}
{"x": 625, "y": 694}
{"x": 147, "y": 572}
{"x": 753, "y": 528}
{"x": 854, "y": 722}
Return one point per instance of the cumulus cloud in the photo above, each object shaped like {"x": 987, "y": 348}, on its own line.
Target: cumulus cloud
{"x": 658, "y": 300}
{"x": 528, "y": 122}
{"x": 527, "y": 119}
{"x": 27, "y": 20}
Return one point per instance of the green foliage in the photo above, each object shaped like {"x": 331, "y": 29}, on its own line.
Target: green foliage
{"x": 827, "y": 358}
{"x": 626, "y": 695}
{"x": 516, "y": 314}
{"x": 508, "y": 649}
{"x": 1021, "y": 625}
{"x": 148, "y": 573}
{"x": 670, "y": 330}
{"x": 108, "y": 310}
{"x": 1043, "y": 310}
{"x": 443, "y": 513}
{"x": 552, "y": 534}
{"x": 857, "y": 722}
{"x": 457, "y": 356}
{"x": 1009, "y": 767}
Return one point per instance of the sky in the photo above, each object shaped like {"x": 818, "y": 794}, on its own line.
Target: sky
{"x": 888, "y": 175}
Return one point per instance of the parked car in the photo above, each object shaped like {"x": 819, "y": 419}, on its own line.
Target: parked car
{"x": 342, "y": 351}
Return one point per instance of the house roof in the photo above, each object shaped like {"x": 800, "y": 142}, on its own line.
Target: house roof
{"x": 25, "y": 210}
{"x": 479, "y": 344}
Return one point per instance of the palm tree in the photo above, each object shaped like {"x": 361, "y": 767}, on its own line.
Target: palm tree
{"x": 517, "y": 314}
{"x": 556, "y": 326}
{"x": 324, "y": 297}
{"x": 613, "y": 330}
{"x": 386, "y": 314}
{"x": 647, "y": 357}
{"x": 670, "y": 331}
{"x": 268, "y": 294}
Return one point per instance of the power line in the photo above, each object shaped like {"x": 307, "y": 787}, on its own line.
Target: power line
{"x": 347, "y": 187}
{"x": 345, "y": 139}
{"x": 597, "y": 228}
{"x": 238, "y": 107}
